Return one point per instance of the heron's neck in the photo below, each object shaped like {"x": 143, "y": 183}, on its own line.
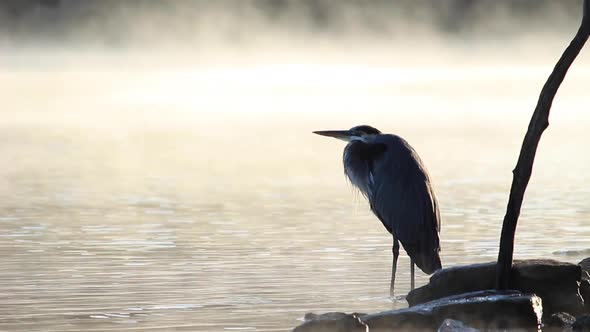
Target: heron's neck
{"x": 357, "y": 165}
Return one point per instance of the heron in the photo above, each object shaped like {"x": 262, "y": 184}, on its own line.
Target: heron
{"x": 391, "y": 175}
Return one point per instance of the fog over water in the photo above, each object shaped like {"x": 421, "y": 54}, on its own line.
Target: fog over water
{"x": 158, "y": 170}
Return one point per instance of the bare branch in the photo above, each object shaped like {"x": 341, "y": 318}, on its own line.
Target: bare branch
{"x": 522, "y": 171}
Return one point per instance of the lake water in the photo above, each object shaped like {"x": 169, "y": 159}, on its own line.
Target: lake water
{"x": 199, "y": 200}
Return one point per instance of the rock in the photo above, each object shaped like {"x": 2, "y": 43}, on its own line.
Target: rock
{"x": 331, "y": 322}
{"x": 559, "y": 321}
{"x": 585, "y": 292}
{"x": 410, "y": 319}
{"x": 585, "y": 264}
{"x": 454, "y": 280}
{"x": 555, "y": 282}
{"x": 582, "y": 323}
{"x": 484, "y": 309}
{"x": 451, "y": 325}
{"x": 547, "y": 269}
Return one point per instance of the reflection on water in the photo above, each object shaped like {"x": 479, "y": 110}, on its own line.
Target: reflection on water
{"x": 119, "y": 213}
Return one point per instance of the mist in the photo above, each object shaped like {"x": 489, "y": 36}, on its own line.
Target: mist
{"x": 190, "y": 54}
{"x": 401, "y": 32}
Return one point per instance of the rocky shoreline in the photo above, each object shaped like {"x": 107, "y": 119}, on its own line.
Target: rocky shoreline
{"x": 545, "y": 295}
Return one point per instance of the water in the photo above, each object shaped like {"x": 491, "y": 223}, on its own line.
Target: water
{"x": 136, "y": 201}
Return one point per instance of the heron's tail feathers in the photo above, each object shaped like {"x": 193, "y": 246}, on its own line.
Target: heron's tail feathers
{"x": 428, "y": 262}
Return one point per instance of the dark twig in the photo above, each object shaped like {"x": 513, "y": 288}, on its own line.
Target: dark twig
{"x": 522, "y": 171}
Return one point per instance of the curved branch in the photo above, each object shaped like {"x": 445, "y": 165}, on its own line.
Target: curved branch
{"x": 522, "y": 171}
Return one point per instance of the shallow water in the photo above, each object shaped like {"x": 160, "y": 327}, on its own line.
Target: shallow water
{"x": 125, "y": 208}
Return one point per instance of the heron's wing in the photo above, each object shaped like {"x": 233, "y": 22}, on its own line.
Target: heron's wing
{"x": 401, "y": 196}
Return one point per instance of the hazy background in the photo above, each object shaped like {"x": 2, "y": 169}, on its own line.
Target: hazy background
{"x": 289, "y": 30}
{"x": 158, "y": 171}
{"x": 124, "y": 24}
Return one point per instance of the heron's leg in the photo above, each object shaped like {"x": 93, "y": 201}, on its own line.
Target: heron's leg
{"x": 395, "y": 250}
{"x": 412, "y": 274}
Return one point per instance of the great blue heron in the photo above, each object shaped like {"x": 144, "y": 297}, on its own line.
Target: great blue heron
{"x": 389, "y": 173}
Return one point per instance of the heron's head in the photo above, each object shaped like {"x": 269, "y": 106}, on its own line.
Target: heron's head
{"x": 359, "y": 133}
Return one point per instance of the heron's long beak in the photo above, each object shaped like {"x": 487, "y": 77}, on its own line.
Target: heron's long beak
{"x": 344, "y": 135}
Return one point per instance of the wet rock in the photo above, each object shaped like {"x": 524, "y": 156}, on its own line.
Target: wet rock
{"x": 331, "y": 322}
{"x": 582, "y": 323}
{"x": 555, "y": 282}
{"x": 585, "y": 293}
{"x": 411, "y": 319}
{"x": 585, "y": 265}
{"x": 484, "y": 310}
{"x": 451, "y": 325}
{"x": 454, "y": 280}
{"x": 558, "y": 322}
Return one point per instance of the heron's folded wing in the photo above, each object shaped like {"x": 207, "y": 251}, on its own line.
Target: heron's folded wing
{"x": 401, "y": 196}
